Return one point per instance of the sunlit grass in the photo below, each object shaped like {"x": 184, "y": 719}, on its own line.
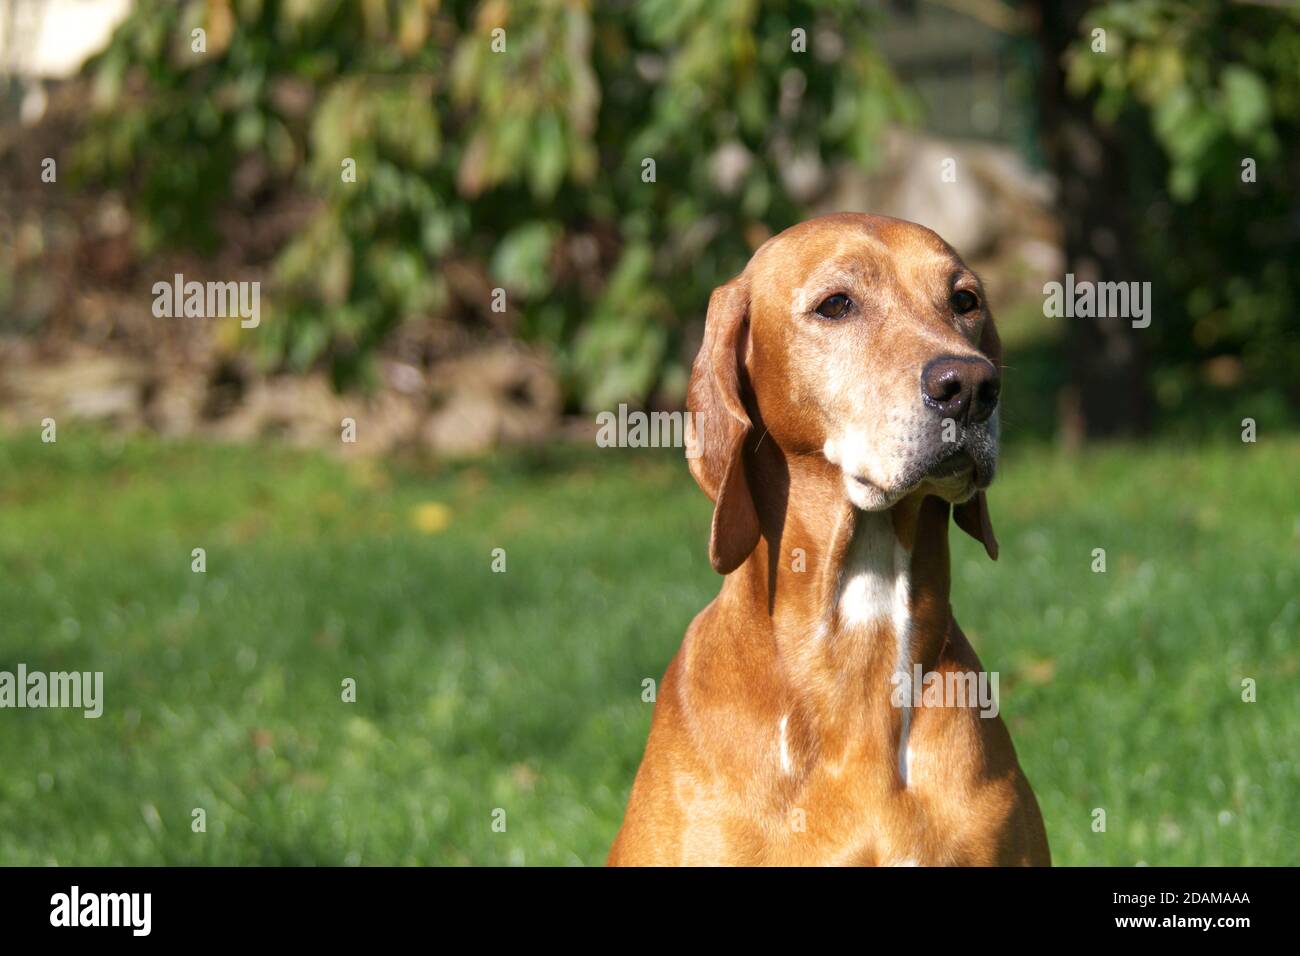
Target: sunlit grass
{"x": 522, "y": 690}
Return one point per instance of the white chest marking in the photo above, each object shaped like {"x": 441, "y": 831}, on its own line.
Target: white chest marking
{"x": 786, "y": 766}
{"x": 872, "y": 578}
{"x": 877, "y": 586}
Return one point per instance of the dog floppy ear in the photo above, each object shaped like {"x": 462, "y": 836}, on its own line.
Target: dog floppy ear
{"x": 718, "y": 426}
{"x": 973, "y": 516}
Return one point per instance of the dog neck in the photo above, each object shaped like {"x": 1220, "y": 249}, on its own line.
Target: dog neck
{"x": 853, "y": 597}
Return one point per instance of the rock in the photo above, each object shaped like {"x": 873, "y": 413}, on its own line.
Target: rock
{"x": 502, "y": 395}
{"x": 992, "y": 191}
{"x": 79, "y": 385}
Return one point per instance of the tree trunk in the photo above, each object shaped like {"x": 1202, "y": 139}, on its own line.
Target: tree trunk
{"x": 1108, "y": 394}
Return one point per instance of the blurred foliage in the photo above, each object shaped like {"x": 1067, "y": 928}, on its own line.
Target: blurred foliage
{"x": 1214, "y": 84}
{"x": 523, "y": 168}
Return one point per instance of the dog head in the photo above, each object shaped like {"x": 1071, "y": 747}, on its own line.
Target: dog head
{"x": 862, "y": 339}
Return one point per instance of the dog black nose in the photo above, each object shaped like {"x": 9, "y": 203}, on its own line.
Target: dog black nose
{"x": 961, "y": 388}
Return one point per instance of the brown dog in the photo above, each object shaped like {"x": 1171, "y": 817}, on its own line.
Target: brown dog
{"x": 845, "y": 396}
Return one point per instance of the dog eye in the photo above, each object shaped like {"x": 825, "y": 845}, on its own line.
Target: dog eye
{"x": 963, "y": 302}
{"x": 834, "y": 307}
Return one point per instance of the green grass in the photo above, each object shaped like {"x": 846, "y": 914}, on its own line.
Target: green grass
{"x": 521, "y": 690}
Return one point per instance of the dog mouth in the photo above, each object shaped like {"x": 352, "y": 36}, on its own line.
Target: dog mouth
{"x": 956, "y": 463}
{"x": 957, "y": 475}
{"x": 953, "y": 471}
{"x": 963, "y": 466}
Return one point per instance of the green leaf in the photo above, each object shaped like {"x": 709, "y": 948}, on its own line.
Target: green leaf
{"x": 1245, "y": 101}
{"x": 522, "y": 259}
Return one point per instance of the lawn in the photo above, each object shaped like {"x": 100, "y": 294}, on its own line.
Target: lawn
{"x": 521, "y": 691}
